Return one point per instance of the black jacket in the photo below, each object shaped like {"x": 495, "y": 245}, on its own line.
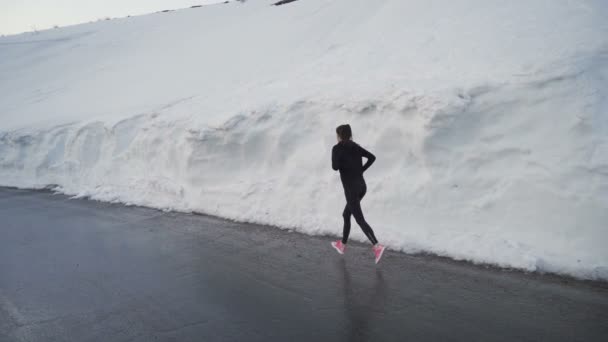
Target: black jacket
{"x": 346, "y": 157}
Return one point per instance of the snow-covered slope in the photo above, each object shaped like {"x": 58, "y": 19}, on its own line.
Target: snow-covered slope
{"x": 489, "y": 119}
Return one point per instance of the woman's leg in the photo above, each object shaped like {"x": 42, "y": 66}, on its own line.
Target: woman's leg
{"x": 346, "y": 214}
{"x": 354, "y": 206}
{"x": 358, "y": 214}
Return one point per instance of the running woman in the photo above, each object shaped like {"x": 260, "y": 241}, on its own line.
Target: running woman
{"x": 346, "y": 157}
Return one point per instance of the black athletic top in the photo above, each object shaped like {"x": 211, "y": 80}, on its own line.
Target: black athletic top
{"x": 346, "y": 157}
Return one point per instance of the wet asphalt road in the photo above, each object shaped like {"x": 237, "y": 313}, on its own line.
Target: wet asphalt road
{"x": 78, "y": 270}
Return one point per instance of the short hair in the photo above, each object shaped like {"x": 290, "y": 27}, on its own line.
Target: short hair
{"x": 344, "y": 132}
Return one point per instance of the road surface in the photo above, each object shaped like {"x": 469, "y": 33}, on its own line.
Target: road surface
{"x": 79, "y": 270}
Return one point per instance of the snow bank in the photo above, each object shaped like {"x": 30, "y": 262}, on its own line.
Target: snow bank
{"x": 489, "y": 120}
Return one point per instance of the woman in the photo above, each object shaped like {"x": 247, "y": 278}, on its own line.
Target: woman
{"x": 346, "y": 156}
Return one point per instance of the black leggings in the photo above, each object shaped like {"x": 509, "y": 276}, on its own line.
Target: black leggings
{"x": 354, "y": 194}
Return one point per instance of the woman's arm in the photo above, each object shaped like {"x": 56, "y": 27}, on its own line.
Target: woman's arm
{"x": 370, "y": 158}
{"x": 335, "y": 159}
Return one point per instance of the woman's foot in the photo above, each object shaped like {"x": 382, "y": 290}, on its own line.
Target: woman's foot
{"x": 339, "y": 246}
{"x": 378, "y": 251}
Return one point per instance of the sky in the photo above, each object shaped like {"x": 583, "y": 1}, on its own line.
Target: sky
{"x": 18, "y": 16}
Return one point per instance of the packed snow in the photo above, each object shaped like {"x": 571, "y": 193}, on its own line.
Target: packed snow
{"x": 489, "y": 120}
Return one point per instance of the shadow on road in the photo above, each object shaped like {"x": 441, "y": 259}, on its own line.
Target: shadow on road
{"x": 362, "y": 306}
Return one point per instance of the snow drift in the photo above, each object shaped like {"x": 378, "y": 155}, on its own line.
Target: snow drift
{"x": 489, "y": 120}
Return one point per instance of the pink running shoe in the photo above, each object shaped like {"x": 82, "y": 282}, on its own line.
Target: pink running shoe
{"x": 339, "y": 246}
{"x": 378, "y": 251}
